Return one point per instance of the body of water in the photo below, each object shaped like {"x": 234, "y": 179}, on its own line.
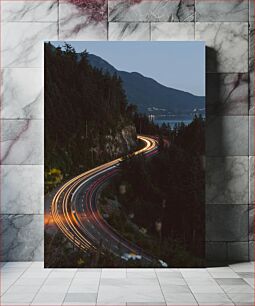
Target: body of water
{"x": 172, "y": 122}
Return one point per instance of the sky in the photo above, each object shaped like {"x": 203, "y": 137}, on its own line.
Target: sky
{"x": 179, "y": 65}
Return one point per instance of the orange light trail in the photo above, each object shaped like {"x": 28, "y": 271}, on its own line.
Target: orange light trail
{"x": 61, "y": 205}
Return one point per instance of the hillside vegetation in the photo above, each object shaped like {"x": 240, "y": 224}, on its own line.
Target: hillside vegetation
{"x": 87, "y": 118}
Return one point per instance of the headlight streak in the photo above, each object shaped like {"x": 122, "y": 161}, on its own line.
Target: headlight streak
{"x": 62, "y": 212}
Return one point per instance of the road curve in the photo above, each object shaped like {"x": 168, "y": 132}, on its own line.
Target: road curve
{"x": 75, "y": 212}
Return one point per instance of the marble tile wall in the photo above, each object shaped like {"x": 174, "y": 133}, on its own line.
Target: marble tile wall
{"x": 228, "y": 30}
{"x": 24, "y": 24}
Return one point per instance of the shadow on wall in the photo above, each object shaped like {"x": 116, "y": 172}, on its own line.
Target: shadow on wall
{"x": 214, "y": 147}
{"x": 226, "y": 221}
{"x": 214, "y": 141}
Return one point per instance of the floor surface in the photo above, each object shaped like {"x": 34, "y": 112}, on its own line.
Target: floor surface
{"x": 28, "y": 283}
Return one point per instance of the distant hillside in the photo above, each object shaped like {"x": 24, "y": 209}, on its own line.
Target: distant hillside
{"x": 149, "y": 95}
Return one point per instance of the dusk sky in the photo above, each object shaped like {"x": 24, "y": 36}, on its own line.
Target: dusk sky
{"x": 180, "y": 65}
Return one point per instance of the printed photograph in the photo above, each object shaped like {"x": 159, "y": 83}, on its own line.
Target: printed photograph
{"x": 124, "y": 154}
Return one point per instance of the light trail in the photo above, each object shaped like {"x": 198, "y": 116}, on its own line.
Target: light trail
{"x": 68, "y": 219}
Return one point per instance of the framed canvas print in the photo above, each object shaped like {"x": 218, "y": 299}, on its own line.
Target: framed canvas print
{"x": 124, "y": 154}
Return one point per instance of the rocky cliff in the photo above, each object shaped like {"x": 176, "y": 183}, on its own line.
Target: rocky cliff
{"x": 122, "y": 142}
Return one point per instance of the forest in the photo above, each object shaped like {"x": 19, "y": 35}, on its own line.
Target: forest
{"x": 163, "y": 208}
{"x": 168, "y": 192}
{"x": 85, "y": 112}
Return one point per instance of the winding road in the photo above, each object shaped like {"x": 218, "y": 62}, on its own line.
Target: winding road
{"x": 74, "y": 209}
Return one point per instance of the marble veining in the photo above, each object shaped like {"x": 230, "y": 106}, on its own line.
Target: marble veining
{"x": 22, "y": 237}
{"x": 226, "y": 94}
{"x": 229, "y": 43}
{"x": 172, "y": 31}
{"x": 22, "y": 93}
{"x": 96, "y": 10}
{"x": 227, "y": 180}
{"x": 251, "y": 135}
{"x": 22, "y": 191}
{"x": 251, "y": 93}
{"x": 24, "y": 47}
{"x": 251, "y": 69}
{"x": 129, "y": 31}
{"x": 251, "y": 180}
{"x": 251, "y": 222}
{"x": 151, "y": 10}
{"x": 234, "y": 10}
{"x": 23, "y": 10}
{"x": 21, "y": 142}
{"x": 77, "y": 21}
{"x": 251, "y": 10}
{"x": 251, "y": 47}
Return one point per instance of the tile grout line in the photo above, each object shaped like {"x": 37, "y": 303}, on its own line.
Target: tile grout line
{"x": 237, "y": 304}
{"x": 15, "y": 280}
{"x": 249, "y": 188}
{"x": 69, "y": 286}
{"x": 223, "y": 288}
{"x": 40, "y": 287}
{"x": 248, "y": 69}
{"x": 30, "y": 21}
{"x": 98, "y": 286}
{"x": 150, "y": 29}
{"x": 188, "y": 287}
{"x": 22, "y": 119}
{"x": 195, "y": 22}
{"x": 58, "y": 21}
{"x": 107, "y": 21}
{"x": 195, "y": 11}
{"x": 17, "y": 165}
{"x": 160, "y": 286}
{"x": 207, "y": 72}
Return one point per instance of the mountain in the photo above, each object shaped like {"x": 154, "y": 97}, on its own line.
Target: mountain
{"x": 150, "y": 96}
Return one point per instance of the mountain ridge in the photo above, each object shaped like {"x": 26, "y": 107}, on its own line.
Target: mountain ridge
{"x": 149, "y": 95}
